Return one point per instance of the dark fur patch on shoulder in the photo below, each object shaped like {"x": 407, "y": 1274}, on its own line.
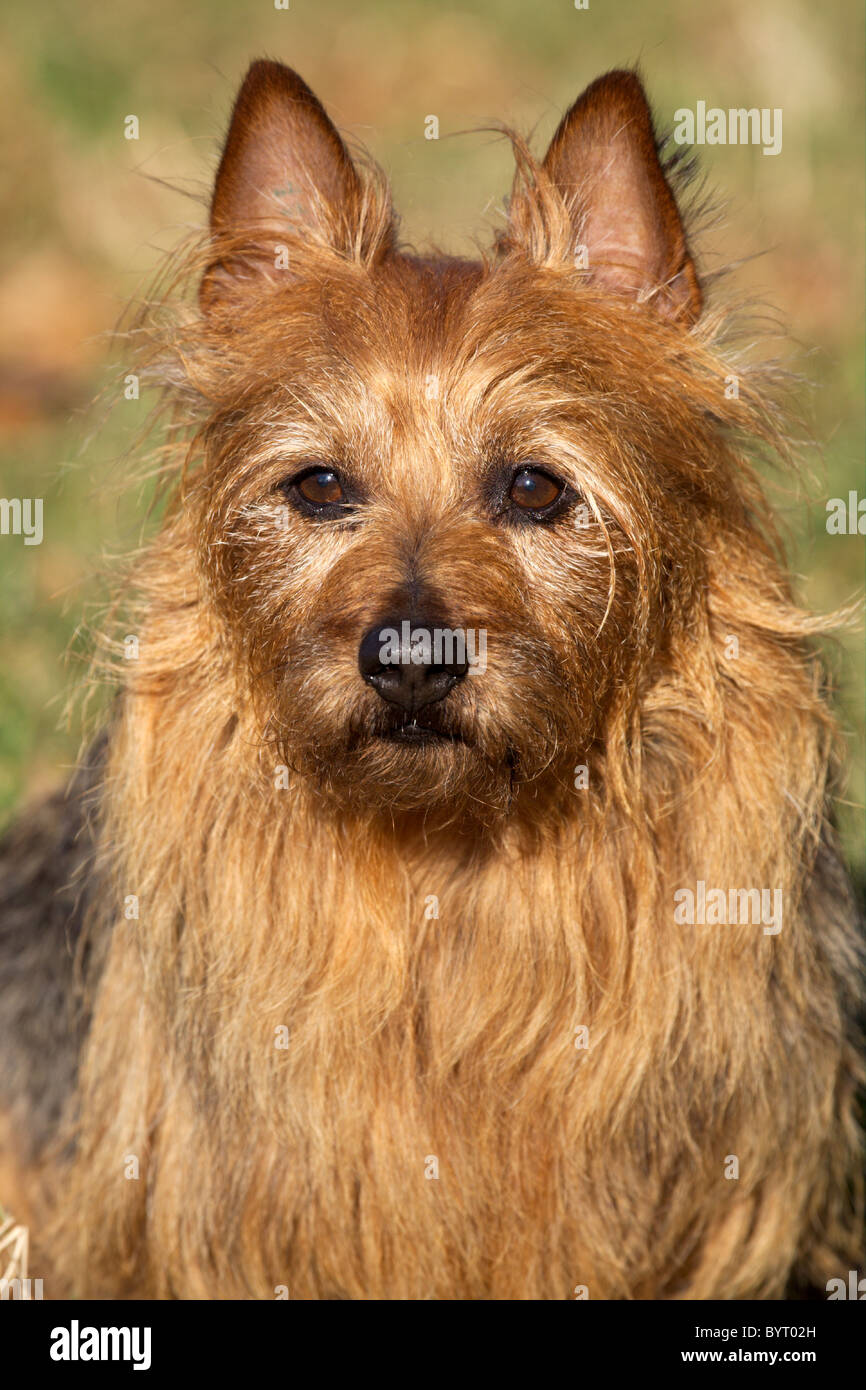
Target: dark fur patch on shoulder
{"x": 46, "y": 878}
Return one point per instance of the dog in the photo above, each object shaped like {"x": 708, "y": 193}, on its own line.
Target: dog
{"x": 450, "y": 907}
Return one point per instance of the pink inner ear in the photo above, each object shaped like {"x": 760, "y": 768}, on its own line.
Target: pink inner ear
{"x": 621, "y": 227}
{"x": 284, "y": 170}
{"x": 604, "y": 161}
{"x": 283, "y": 159}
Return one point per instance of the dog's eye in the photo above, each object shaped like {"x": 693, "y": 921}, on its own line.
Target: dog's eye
{"x": 534, "y": 491}
{"x": 318, "y": 491}
{"x": 321, "y": 486}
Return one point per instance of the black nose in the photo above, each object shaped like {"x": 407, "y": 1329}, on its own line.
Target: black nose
{"x": 412, "y": 664}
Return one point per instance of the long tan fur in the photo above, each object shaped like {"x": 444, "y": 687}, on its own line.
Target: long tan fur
{"x": 434, "y": 929}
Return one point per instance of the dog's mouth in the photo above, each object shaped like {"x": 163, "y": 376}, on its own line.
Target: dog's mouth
{"x": 418, "y": 733}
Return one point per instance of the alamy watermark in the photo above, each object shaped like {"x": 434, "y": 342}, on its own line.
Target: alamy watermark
{"x": 713, "y": 907}
{"x": 22, "y": 516}
{"x": 846, "y": 516}
{"x": 20, "y": 1290}
{"x": 736, "y": 126}
{"x": 854, "y": 1288}
{"x": 77, "y": 1343}
{"x": 438, "y": 646}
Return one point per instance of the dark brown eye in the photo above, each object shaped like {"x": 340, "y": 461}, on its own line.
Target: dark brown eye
{"x": 533, "y": 491}
{"x": 322, "y": 487}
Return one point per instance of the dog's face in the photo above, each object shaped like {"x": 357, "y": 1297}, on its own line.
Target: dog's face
{"x": 443, "y": 501}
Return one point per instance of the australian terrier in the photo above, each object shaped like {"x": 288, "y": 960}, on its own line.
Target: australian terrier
{"x": 451, "y": 907}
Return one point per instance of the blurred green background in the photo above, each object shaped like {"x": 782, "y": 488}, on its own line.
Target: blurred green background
{"x": 87, "y": 216}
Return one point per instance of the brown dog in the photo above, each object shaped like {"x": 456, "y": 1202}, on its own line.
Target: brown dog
{"x": 456, "y": 905}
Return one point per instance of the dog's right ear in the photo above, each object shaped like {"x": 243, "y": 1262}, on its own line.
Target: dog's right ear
{"x": 284, "y": 170}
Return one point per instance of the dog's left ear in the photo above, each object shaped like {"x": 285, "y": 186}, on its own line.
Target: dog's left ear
{"x": 603, "y": 161}
{"x": 284, "y": 169}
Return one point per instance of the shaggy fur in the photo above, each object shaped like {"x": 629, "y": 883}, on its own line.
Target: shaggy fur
{"x": 432, "y": 923}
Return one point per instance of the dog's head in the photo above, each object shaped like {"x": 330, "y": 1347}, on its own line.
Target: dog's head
{"x": 450, "y": 510}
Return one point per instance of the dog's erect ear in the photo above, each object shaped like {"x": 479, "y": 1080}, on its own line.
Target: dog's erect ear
{"x": 604, "y": 161}
{"x": 284, "y": 167}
